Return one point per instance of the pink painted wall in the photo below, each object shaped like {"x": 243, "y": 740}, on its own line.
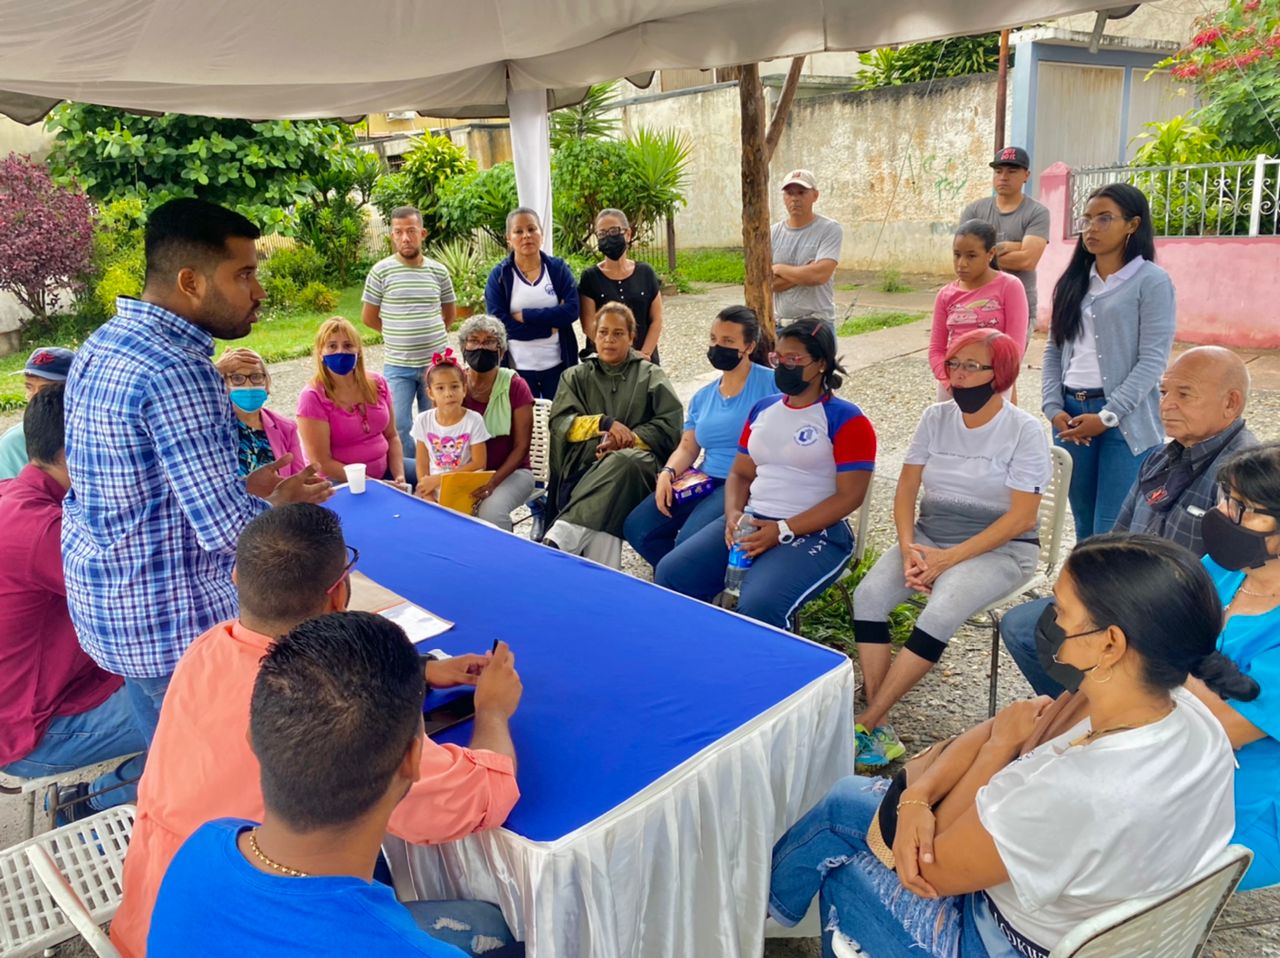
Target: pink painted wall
{"x": 1228, "y": 287}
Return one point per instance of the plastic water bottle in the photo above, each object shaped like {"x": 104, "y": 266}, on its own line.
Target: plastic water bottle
{"x": 739, "y": 561}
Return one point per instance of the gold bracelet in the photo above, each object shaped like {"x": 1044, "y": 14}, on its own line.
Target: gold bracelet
{"x": 914, "y": 801}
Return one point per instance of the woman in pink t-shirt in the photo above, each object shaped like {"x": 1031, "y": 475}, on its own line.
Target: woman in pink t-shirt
{"x": 345, "y": 414}
{"x": 981, "y": 297}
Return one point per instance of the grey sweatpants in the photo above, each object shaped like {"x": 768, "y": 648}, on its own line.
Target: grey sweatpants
{"x": 512, "y": 492}
{"x": 957, "y": 594}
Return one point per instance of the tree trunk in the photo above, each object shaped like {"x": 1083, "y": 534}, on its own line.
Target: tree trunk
{"x": 779, "y": 121}
{"x": 755, "y": 198}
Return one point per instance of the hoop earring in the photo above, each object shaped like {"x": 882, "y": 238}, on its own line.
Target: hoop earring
{"x": 1110, "y": 676}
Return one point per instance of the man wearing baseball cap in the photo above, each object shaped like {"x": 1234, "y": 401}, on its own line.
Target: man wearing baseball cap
{"x": 806, "y": 249}
{"x": 46, "y": 366}
{"x": 1021, "y": 223}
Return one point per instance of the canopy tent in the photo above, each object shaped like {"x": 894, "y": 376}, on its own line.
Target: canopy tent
{"x": 330, "y": 58}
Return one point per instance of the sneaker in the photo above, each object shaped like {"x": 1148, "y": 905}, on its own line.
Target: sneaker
{"x": 891, "y": 746}
{"x": 867, "y": 756}
{"x": 73, "y": 804}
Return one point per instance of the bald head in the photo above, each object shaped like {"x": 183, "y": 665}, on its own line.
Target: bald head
{"x": 1202, "y": 393}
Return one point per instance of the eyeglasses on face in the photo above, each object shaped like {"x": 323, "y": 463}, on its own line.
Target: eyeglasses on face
{"x": 482, "y": 344}
{"x": 1102, "y": 221}
{"x": 239, "y": 379}
{"x": 1237, "y": 510}
{"x": 791, "y": 360}
{"x": 611, "y": 231}
{"x": 966, "y": 366}
{"x": 354, "y": 554}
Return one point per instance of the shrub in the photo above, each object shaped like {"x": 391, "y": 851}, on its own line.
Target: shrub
{"x": 282, "y": 292}
{"x": 118, "y": 263}
{"x": 430, "y": 162}
{"x": 467, "y": 269}
{"x": 300, "y": 263}
{"x": 335, "y": 228}
{"x": 46, "y": 236}
{"x": 479, "y": 200}
{"x": 316, "y": 297}
{"x": 391, "y": 190}
{"x": 891, "y": 282}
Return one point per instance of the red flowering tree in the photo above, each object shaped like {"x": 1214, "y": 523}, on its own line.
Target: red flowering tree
{"x": 46, "y": 236}
{"x": 1233, "y": 64}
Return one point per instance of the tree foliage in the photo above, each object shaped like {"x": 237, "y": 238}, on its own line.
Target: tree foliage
{"x": 46, "y": 236}
{"x": 261, "y": 169}
{"x": 586, "y": 120}
{"x": 430, "y": 162}
{"x": 1232, "y": 64}
{"x": 933, "y": 59}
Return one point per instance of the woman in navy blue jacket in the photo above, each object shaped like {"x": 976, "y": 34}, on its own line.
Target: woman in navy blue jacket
{"x": 536, "y": 298}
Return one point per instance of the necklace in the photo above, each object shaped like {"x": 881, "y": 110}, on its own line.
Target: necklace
{"x": 531, "y": 274}
{"x": 283, "y": 869}
{"x": 1088, "y": 737}
{"x": 1257, "y": 595}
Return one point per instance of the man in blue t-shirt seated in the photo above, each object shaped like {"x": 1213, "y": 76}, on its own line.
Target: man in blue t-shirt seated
{"x": 336, "y": 724}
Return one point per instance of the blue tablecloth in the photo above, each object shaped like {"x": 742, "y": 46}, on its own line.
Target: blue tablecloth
{"x": 623, "y": 681}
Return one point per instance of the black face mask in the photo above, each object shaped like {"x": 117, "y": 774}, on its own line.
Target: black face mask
{"x": 481, "y": 360}
{"x": 1231, "y": 546}
{"x": 1049, "y": 640}
{"x": 972, "y": 398}
{"x": 612, "y": 247}
{"x": 723, "y": 358}
{"x": 789, "y": 380}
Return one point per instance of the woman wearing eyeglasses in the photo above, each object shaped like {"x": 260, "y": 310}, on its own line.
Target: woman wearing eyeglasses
{"x": 619, "y": 279}
{"x": 1242, "y": 538}
{"x": 265, "y": 436}
{"x": 983, "y": 463}
{"x": 804, "y": 463}
{"x": 1109, "y": 342}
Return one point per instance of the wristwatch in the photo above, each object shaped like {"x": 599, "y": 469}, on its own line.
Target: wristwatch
{"x": 785, "y": 534}
{"x": 1109, "y": 419}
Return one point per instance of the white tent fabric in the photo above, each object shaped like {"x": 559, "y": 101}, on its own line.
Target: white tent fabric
{"x": 327, "y": 58}
{"x": 531, "y": 149}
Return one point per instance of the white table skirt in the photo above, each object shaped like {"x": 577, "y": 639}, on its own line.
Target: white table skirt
{"x": 680, "y": 870}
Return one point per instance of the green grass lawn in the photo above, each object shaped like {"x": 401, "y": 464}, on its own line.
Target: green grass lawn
{"x": 276, "y": 338}
{"x": 290, "y": 336}
{"x": 711, "y": 266}
{"x": 870, "y": 322}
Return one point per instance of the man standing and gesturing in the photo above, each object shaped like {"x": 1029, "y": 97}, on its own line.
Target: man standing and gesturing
{"x": 156, "y": 505}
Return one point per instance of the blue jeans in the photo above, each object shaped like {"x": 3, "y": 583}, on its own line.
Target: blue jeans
{"x": 146, "y": 696}
{"x": 826, "y": 854}
{"x": 407, "y": 383}
{"x": 653, "y": 535}
{"x": 543, "y": 383}
{"x": 1018, "y": 630}
{"x": 476, "y": 927}
{"x": 778, "y": 583}
{"x": 1102, "y": 472}
{"x": 74, "y": 741}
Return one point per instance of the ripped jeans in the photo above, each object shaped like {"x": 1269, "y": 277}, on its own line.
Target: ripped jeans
{"x": 860, "y": 901}
{"x": 476, "y": 927}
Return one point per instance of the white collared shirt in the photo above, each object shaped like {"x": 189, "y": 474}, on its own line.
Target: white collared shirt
{"x": 1082, "y": 371}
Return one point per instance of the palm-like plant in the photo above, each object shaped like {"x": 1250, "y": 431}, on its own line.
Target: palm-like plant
{"x": 586, "y": 120}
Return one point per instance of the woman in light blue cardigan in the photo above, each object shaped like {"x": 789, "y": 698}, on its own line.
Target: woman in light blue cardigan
{"x": 1109, "y": 342}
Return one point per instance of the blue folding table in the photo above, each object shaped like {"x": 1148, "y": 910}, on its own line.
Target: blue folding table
{"x": 663, "y": 744}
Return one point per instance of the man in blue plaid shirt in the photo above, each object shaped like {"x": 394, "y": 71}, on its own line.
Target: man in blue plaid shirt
{"x": 156, "y": 504}
{"x": 1202, "y": 400}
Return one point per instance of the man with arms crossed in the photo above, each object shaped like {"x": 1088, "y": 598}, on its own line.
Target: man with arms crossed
{"x": 806, "y": 249}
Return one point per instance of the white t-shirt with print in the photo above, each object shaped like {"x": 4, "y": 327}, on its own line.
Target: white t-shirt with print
{"x": 534, "y": 355}
{"x": 970, "y": 473}
{"x": 449, "y": 447}
{"x": 1128, "y": 815}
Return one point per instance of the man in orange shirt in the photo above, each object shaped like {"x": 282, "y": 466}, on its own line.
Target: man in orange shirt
{"x": 292, "y": 564}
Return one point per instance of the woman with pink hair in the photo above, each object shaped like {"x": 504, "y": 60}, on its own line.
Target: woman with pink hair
{"x": 983, "y": 463}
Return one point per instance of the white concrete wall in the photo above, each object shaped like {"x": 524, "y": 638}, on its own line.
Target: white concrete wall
{"x": 895, "y": 166}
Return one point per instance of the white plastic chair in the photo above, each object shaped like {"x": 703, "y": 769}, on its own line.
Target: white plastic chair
{"x": 1051, "y": 525}
{"x": 1173, "y": 925}
{"x": 539, "y": 452}
{"x": 30, "y": 788}
{"x": 65, "y": 882}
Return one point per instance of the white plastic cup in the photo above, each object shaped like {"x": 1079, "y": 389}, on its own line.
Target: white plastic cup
{"x": 355, "y": 477}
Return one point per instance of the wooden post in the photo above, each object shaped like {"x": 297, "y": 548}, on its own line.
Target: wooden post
{"x": 1002, "y": 91}
{"x": 779, "y": 120}
{"x": 755, "y": 198}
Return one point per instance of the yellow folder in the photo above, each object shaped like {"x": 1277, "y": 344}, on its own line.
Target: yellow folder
{"x": 456, "y": 489}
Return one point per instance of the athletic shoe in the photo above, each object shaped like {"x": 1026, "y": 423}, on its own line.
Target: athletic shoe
{"x": 891, "y": 746}
{"x": 867, "y": 756}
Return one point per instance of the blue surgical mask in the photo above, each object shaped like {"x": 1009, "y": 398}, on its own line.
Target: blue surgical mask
{"x": 340, "y": 364}
{"x": 249, "y": 398}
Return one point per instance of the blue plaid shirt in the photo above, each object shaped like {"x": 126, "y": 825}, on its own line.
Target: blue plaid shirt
{"x": 156, "y": 503}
